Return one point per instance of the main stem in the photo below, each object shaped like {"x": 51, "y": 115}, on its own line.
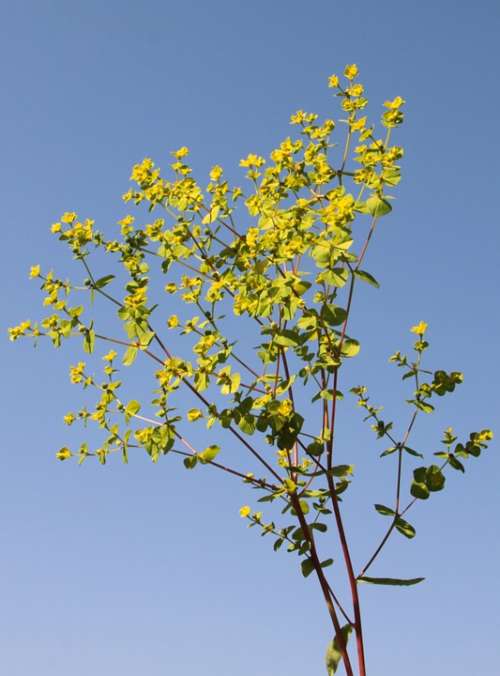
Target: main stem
{"x": 358, "y": 627}
{"x": 323, "y": 584}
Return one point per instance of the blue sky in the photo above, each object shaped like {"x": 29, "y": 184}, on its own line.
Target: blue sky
{"x": 148, "y": 569}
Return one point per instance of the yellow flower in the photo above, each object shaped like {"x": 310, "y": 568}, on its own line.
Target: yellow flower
{"x": 128, "y": 220}
{"x": 419, "y": 328}
{"x": 170, "y": 287}
{"x": 333, "y": 81}
{"x": 298, "y": 117}
{"x": 64, "y": 453}
{"x": 245, "y": 511}
{"x": 110, "y": 356}
{"x": 216, "y": 173}
{"x": 76, "y": 372}
{"x": 55, "y": 227}
{"x": 16, "y": 331}
{"x": 395, "y": 104}
{"x": 34, "y": 271}
{"x": 182, "y": 152}
{"x": 194, "y": 414}
{"x": 69, "y": 418}
{"x": 252, "y": 160}
{"x": 351, "y": 71}
{"x": 359, "y": 125}
{"x": 173, "y": 321}
{"x": 355, "y": 90}
{"x": 68, "y": 217}
{"x": 141, "y": 172}
{"x": 286, "y": 407}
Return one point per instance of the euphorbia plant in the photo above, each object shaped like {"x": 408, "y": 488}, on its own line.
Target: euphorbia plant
{"x": 283, "y": 255}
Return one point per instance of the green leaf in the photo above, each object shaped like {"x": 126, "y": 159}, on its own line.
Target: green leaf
{"x": 391, "y": 581}
{"x": 378, "y": 206}
{"x": 190, "y": 462}
{"x": 247, "y": 424}
{"x": 326, "y": 563}
{"x": 278, "y": 544}
{"x": 404, "y": 528}
{"x": 315, "y": 448}
{"x": 455, "y": 463}
{"x": 422, "y": 405}
{"x": 435, "y": 479}
{"x": 307, "y": 567}
{"x": 209, "y": 454}
{"x": 103, "y": 281}
{"x": 333, "y": 654}
{"x": 385, "y": 511}
{"x": 366, "y": 277}
{"x": 235, "y": 383}
{"x": 334, "y": 315}
{"x": 89, "y": 341}
{"x": 336, "y": 276}
{"x": 286, "y": 339}
{"x": 341, "y": 470}
{"x": 350, "y": 347}
{"x": 419, "y": 490}
{"x": 412, "y": 452}
{"x": 131, "y": 409}
{"x": 304, "y": 505}
{"x": 419, "y": 474}
{"x": 130, "y": 356}
{"x": 321, "y": 254}
{"x": 392, "y": 175}
{"x": 145, "y": 338}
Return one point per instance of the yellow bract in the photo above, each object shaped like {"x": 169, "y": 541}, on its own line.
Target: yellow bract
{"x": 333, "y": 81}
{"x": 69, "y": 418}
{"x": 419, "y": 328}
{"x": 286, "y": 407}
{"x": 142, "y": 171}
{"x": 355, "y": 90}
{"x": 64, "y": 453}
{"x": 351, "y": 71}
{"x": 76, "y": 372}
{"x": 359, "y": 125}
{"x": 216, "y": 173}
{"x": 16, "y": 332}
{"x": 395, "y": 103}
{"x": 68, "y": 217}
{"x": 252, "y": 161}
{"x": 181, "y": 152}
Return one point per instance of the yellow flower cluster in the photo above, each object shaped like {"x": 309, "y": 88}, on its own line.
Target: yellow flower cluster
{"x": 419, "y": 328}
{"x": 252, "y": 160}
{"x": 80, "y": 232}
{"x": 21, "y": 329}
{"x": 76, "y": 373}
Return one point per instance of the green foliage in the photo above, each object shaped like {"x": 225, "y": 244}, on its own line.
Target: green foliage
{"x": 391, "y": 581}
{"x": 333, "y": 653}
{"x": 283, "y": 255}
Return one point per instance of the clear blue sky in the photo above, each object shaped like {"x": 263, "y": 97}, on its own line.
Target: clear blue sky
{"x": 148, "y": 569}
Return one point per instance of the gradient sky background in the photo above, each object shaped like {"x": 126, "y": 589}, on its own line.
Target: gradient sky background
{"x": 148, "y": 569}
